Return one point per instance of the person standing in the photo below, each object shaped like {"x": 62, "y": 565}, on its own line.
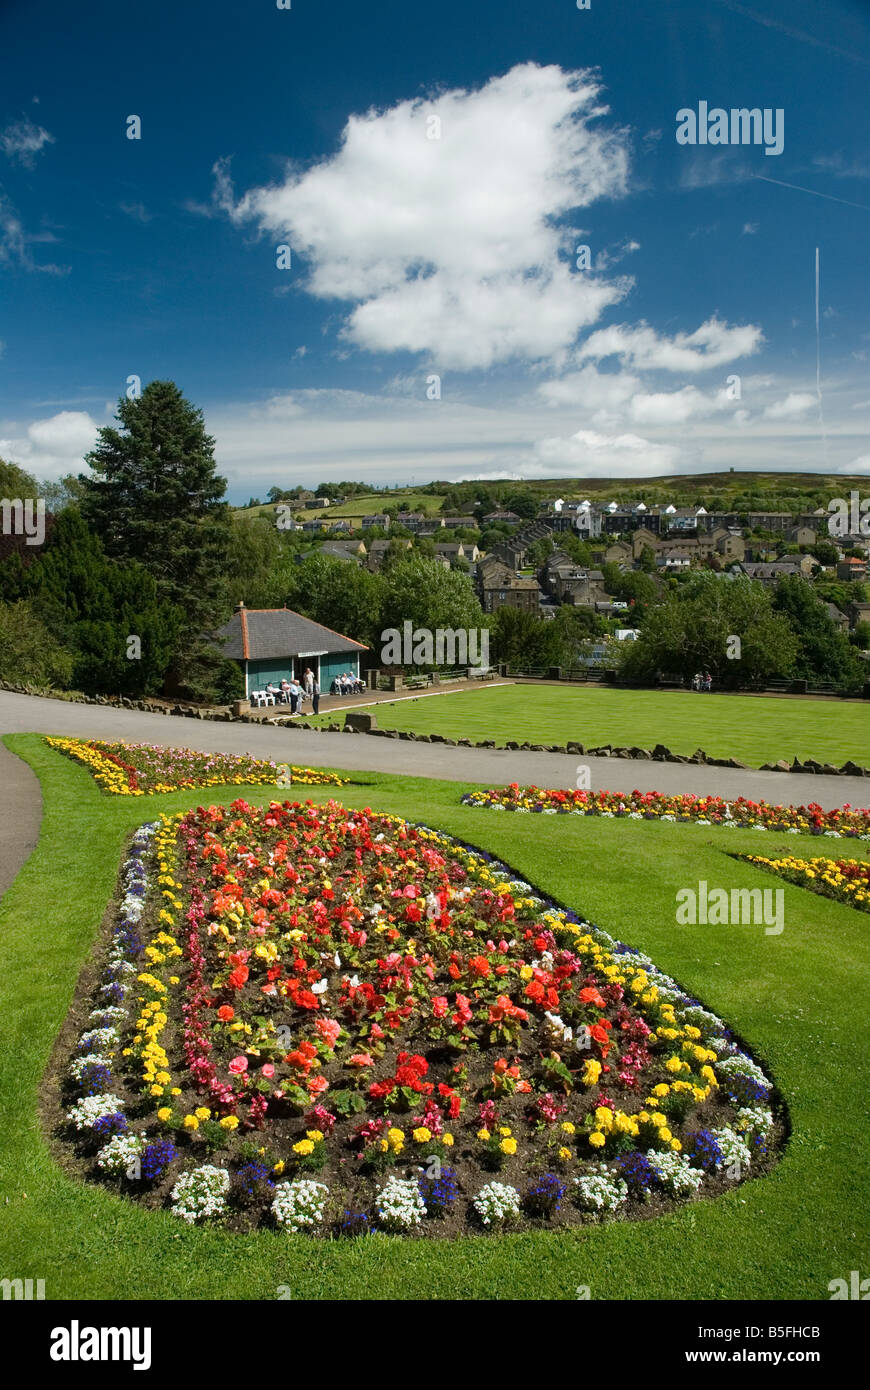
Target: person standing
{"x": 308, "y": 681}
{"x": 315, "y": 695}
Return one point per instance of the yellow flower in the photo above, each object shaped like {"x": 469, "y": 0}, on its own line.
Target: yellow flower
{"x": 447, "y": 1139}
{"x": 230, "y": 1122}
{"x": 164, "y": 1113}
{"x": 564, "y": 1153}
{"x": 202, "y": 1113}
{"x": 191, "y": 1122}
{"x": 279, "y": 1167}
{"x": 483, "y": 1134}
{"x": 304, "y": 1148}
{"x": 567, "y": 1127}
{"x": 505, "y": 1130}
{"x": 508, "y": 1146}
{"x": 314, "y": 1135}
{"x": 422, "y": 1135}
{"x": 596, "y": 1139}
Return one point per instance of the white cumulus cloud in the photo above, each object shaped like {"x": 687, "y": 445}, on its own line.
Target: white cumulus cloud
{"x": 454, "y": 246}
{"x": 54, "y": 446}
{"x": 597, "y": 455}
{"x": 711, "y": 345}
{"x": 793, "y": 407}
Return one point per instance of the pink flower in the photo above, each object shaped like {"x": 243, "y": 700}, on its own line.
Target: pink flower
{"x": 361, "y": 1059}
{"x": 439, "y": 1006}
{"x": 268, "y": 1070}
{"x": 238, "y": 1066}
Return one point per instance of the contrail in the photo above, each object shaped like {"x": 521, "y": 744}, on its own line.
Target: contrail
{"x": 819, "y": 365}
{"x": 848, "y": 54}
{"x": 830, "y": 197}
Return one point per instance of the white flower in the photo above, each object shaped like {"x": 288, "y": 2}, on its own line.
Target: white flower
{"x": 320, "y": 987}
{"x": 116, "y": 1156}
{"x": 754, "y": 1121}
{"x": 93, "y": 1108}
{"x": 676, "y": 1173}
{"x": 399, "y": 1204}
{"x": 734, "y": 1150}
{"x": 78, "y": 1064}
{"x": 497, "y": 1202}
{"x": 600, "y": 1190}
{"x": 201, "y": 1193}
{"x": 299, "y": 1205}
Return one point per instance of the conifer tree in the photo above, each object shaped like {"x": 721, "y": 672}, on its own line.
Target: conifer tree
{"x": 156, "y": 498}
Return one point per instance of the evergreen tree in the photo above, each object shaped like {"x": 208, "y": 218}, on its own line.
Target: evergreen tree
{"x": 30, "y": 654}
{"x": 94, "y": 606}
{"x": 156, "y": 499}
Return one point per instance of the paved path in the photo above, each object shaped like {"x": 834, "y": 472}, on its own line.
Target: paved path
{"x": 25, "y": 714}
{"x": 20, "y": 815}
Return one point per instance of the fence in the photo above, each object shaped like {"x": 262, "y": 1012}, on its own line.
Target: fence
{"x": 776, "y": 685}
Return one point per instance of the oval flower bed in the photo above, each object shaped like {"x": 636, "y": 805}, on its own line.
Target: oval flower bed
{"x": 145, "y": 769}
{"x": 847, "y": 880}
{"x": 330, "y": 1020}
{"x": 848, "y": 822}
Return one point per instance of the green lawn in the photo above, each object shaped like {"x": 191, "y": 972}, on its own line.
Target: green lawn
{"x": 797, "y": 1000}
{"x": 752, "y": 728}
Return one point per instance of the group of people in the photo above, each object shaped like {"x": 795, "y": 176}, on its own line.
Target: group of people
{"x": 294, "y": 693}
{"x": 702, "y": 681}
{"x": 346, "y": 684}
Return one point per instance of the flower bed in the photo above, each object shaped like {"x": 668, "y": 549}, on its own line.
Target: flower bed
{"x": 328, "y": 1019}
{"x": 145, "y": 769}
{"x": 847, "y": 822}
{"x": 847, "y": 880}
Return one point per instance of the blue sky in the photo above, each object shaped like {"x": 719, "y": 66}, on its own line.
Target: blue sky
{"x": 454, "y": 256}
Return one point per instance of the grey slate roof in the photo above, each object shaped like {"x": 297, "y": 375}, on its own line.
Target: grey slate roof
{"x": 257, "y": 634}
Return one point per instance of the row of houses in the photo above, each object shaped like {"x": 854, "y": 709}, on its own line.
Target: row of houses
{"x": 373, "y": 553}
{"x": 593, "y": 521}
{"x": 418, "y": 523}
